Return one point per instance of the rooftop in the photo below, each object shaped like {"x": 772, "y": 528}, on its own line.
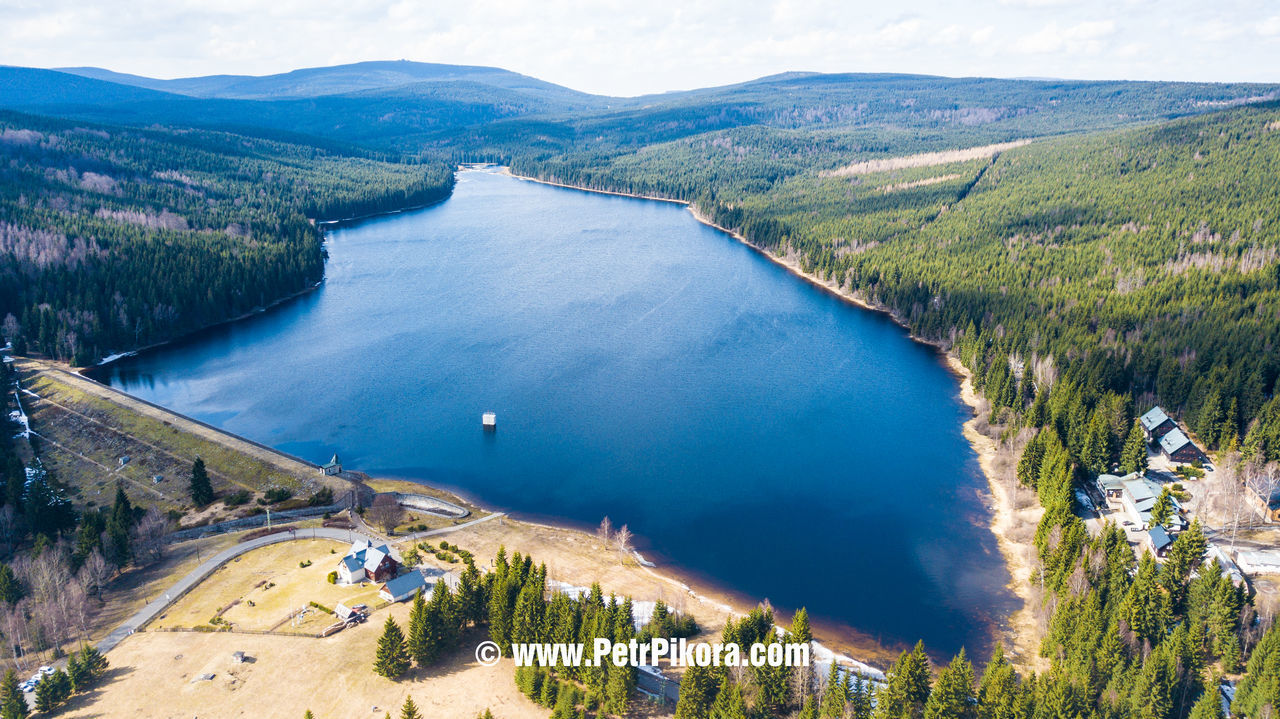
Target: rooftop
{"x": 1153, "y": 418}
{"x": 1174, "y": 441}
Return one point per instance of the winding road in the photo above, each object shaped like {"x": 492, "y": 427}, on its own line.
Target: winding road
{"x": 209, "y": 566}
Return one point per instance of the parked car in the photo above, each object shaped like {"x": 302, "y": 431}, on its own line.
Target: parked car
{"x": 46, "y": 670}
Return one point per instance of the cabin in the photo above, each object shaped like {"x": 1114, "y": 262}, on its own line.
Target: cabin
{"x": 1156, "y": 424}
{"x": 1158, "y": 541}
{"x": 332, "y": 467}
{"x": 1178, "y": 447}
{"x": 489, "y": 421}
{"x": 422, "y": 579}
{"x": 366, "y": 562}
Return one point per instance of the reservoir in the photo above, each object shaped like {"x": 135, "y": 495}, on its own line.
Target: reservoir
{"x": 752, "y": 430}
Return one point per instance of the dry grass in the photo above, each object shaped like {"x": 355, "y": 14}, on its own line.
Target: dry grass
{"x": 85, "y": 428}
{"x": 259, "y": 590}
{"x": 154, "y": 675}
{"x": 925, "y": 159}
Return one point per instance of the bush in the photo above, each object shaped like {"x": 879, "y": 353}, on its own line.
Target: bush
{"x": 276, "y": 495}
{"x": 237, "y": 498}
{"x": 304, "y": 565}
{"x": 321, "y": 497}
{"x": 321, "y": 607}
{"x": 333, "y": 577}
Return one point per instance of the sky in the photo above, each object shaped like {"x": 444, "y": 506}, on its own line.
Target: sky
{"x": 625, "y": 47}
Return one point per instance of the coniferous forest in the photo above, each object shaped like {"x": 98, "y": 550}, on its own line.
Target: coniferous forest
{"x": 115, "y": 238}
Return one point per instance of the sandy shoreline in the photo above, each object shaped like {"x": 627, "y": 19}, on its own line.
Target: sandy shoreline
{"x": 1019, "y": 634}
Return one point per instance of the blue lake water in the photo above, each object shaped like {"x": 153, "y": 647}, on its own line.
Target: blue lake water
{"x": 750, "y": 429}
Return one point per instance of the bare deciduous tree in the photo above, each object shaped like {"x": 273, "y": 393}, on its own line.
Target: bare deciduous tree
{"x": 605, "y": 531}
{"x": 96, "y": 572}
{"x": 149, "y": 541}
{"x": 385, "y": 513}
{"x": 623, "y": 541}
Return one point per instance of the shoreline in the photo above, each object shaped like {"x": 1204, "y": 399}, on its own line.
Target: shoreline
{"x": 1003, "y": 512}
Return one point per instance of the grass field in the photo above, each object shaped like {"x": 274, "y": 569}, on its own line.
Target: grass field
{"x": 258, "y": 591}
{"x": 83, "y": 430}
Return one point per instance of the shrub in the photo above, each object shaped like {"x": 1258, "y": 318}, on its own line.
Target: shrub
{"x": 305, "y": 564}
{"x": 321, "y": 607}
{"x": 333, "y": 577}
{"x": 322, "y": 497}
{"x": 276, "y": 495}
{"x": 237, "y": 498}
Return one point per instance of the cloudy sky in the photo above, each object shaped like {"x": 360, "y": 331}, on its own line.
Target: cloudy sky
{"x": 625, "y": 47}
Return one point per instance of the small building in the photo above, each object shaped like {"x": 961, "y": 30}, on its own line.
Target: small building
{"x": 1258, "y": 561}
{"x": 1156, "y": 423}
{"x": 1158, "y": 540}
{"x": 489, "y": 420}
{"x": 124, "y": 460}
{"x": 238, "y": 657}
{"x": 332, "y": 467}
{"x": 1265, "y": 501}
{"x": 1111, "y": 487}
{"x": 1178, "y": 447}
{"x": 408, "y": 584}
{"x": 405, "y": 586}
{"x": 367, "y": 562}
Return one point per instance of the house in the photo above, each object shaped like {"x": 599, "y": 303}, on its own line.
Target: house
{"x": 1111, "y": 487}
{"x": 332, "y": 467}
{"x": 1265, "y": 501}
{"x": 408, "y": 584}
{"x": 1156, "y": 423}
{"x": 1158, "y": 540}
{"x": 1138, "y": 497}
{"x": 1178, "y": 447}
{"x": 367, "y": 562}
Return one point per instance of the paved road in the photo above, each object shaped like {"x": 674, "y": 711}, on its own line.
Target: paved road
{"x": 209, "y": 566}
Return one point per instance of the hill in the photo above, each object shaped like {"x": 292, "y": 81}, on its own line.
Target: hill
{"x": 112, "y": 238}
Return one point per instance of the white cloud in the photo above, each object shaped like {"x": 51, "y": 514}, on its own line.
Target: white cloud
{"x": 624, "y": 47}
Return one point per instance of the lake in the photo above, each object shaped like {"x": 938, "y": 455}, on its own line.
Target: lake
{"x": 752, "y": 430}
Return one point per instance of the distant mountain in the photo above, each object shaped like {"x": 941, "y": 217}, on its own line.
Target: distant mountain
{"x": 22, "y": 87}
{"x": 336, "y": 80}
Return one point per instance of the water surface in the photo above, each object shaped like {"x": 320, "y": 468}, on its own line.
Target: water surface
{"x": 747, "y": 426}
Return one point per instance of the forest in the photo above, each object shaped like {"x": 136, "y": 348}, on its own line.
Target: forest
{"x": 1080, "y": 279}
{"x": 116, "y": 238}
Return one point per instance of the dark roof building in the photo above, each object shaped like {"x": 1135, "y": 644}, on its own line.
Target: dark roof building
{"x": 332, "y": 467}
{"x": 1159, "y": 540}
{"x": 1157, "y": 423}
{"x": 1178, "y": 447}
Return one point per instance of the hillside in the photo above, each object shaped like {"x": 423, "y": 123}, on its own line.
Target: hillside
{"x": 115, "y": 238}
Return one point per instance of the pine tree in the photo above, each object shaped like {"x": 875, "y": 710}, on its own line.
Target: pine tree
{"x": 808, "y": 710}
{"x": 78, "y": 673}
{"x": 1133, "y": 458}
{"x": 952, "y": 696}
{"x": 118, "y": 525}
{"x": 1162, "y": 510}
{"x": 833, "y": 694}
{"x": 419, "y": 643}
{"x": 93, "y": 660}
{"x": 410, "y": 710}
{"x": 201, "y": 488}
{"x": 998, "y": 691}
{"x": 1209, "y": 706}
{"x": 13, "y": 705}
{"x": 907, "y": 689}
{"x": 392, "y": 660}
{"x": 729, "y": 703}
{"x": 697, "y": 692}
{"x": 308, "y": 715}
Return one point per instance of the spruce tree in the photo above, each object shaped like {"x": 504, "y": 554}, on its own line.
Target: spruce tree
{"x": 697, "y": 692}
{"x": 1209, "y": 706}
{"x": 392, "y": 660}
{"x": 1162, "y": 511}
{"x": 410, "y": 710}
{"x": 201, "y": 488}
{"x": 952, "y": 696}
{"x": 419, "y": 645}
{"x": 728, "y": 703}
{"x": 834, "y": 694}
{"x": 1133, "y": 458}
{"x": 13, "y": 705}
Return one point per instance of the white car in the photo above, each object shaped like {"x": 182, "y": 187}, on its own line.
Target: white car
{"x": 46, "y": 671}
